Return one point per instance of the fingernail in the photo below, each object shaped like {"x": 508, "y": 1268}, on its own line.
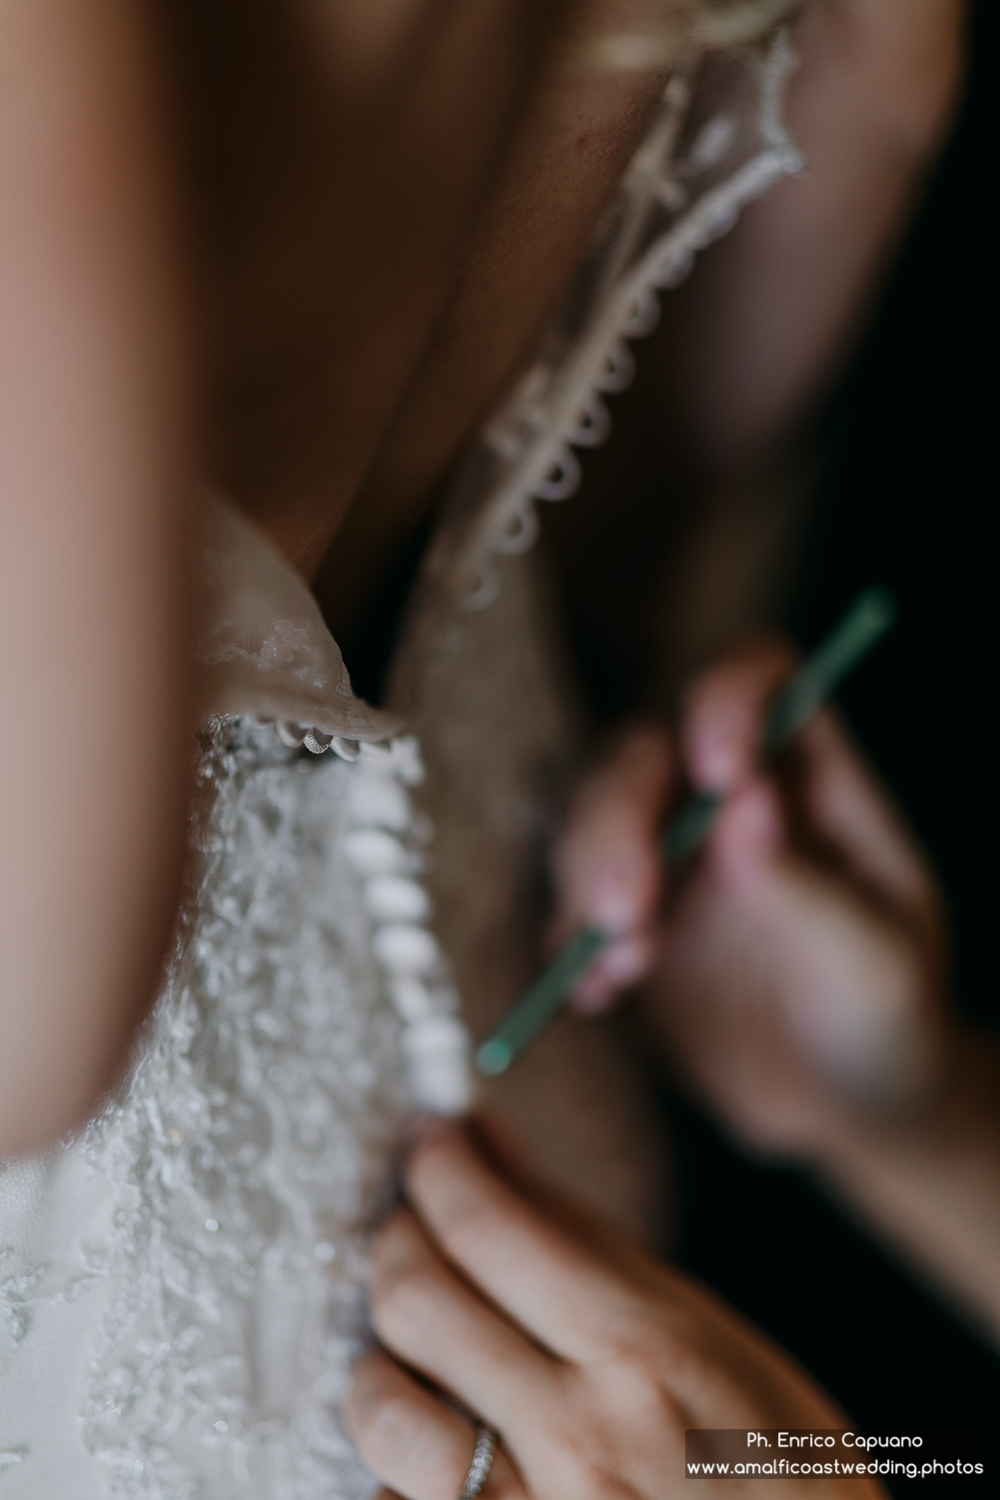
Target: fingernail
{"x": 715, "y": 754}
{"x": 620, "y": 965}
{"x": 611, "y": 898}
{"x": 625, "y": 961}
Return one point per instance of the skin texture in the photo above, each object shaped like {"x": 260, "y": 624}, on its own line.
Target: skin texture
{"x": 268, "y": 245}
{"x": 94, "y": 593}
{"x": 797, "y": 974}
{"x": 328, "y": 210}
{"x": 587, "y": 1357}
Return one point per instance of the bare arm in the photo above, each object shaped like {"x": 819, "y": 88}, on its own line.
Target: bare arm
{"x": 775, "y": 308}
{"x": 708, "y": 458}
{"x": 93, "y": 564}
{"x": 930, "y": 1185}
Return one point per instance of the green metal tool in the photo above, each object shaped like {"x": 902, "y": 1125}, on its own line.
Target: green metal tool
{"x": 867, "y": 620}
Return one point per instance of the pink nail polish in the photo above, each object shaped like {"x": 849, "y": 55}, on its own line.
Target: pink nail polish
{"x": 591, "y": 997}
{"x": 624, "y": 961}
{"x": 714, "y": 758}
{"x": 611, "y": 899}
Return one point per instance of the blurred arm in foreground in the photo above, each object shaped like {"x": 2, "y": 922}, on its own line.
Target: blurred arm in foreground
{"x": 94, "y": 467}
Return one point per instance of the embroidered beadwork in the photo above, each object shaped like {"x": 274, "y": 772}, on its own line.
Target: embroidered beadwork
{"x": 249, "y": 1148}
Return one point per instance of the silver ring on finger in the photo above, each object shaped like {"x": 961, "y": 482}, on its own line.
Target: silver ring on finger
{"x": 482, "y": 1462}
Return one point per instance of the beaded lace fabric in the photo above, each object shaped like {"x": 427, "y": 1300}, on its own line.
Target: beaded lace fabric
{"x": 717, "y": 143}
{"x": 182, "y": 1285}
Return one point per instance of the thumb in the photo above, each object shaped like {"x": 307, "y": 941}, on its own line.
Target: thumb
{"x": 606, "y": 865}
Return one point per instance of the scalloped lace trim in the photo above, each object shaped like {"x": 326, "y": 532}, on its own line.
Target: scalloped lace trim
{"x": 683, "y": 177}
{"x": 266, "y": 650}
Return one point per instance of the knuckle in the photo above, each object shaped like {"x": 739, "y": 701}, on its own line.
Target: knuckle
{"x": 650, "y": 1354}
{"x": 471, "y": 1224}
{"x": 387, "y": 1430}
{"x": 635, "y": 1336}
{"x": 401, "y": 1302}
{"x": 596, "y": 1464}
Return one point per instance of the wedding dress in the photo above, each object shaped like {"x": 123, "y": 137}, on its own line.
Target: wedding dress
{"x": 182, "y": 1284}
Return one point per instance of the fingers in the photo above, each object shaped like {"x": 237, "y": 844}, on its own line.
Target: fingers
{"x": 429, "y": 1317}
{"x": 836, "y": 799}
{"x": 606, "y": 865}
{"x": 724, "y": 713}
{"x": 494, "y": 1140}
{"x": 412, "y": 1441}
{"x": 547, "y": 1280}
{"x": 853, "y": 984}
{"x": 846, "y": 804}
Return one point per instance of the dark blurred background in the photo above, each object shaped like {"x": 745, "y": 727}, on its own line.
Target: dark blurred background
{"x": 905, "y": 498}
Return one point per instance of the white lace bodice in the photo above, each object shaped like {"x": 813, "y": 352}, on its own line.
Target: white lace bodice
{"x": 187, "y": 1275}
{"x": 181, "y": 1286}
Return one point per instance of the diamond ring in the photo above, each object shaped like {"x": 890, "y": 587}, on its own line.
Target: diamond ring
{"x": 482, "y": 1462}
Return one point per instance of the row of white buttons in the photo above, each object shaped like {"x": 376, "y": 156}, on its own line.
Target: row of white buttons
{"x": 435, "y": 1041}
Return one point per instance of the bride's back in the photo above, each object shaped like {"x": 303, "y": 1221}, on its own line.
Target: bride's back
{"x": 283, "y": 247}
{"x": 385, "y": 208}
